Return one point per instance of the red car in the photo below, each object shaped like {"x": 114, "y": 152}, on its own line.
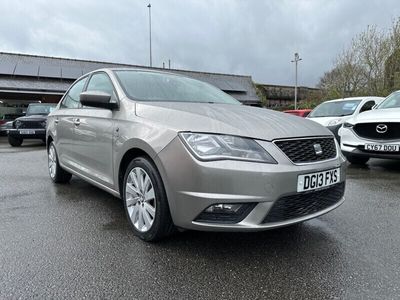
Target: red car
{"x": 299, "y": 112}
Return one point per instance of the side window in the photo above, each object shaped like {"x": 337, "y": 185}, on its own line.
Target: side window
{"x": 367, "y": 106}
{"x": 102, "y": 83}
{"x": 71, "y": 100}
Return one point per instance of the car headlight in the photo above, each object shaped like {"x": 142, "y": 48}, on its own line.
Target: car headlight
{"x": 217, "y": 147}
{"x": 334, "y": 122}
{"x": 348, "y": 125}
{"x": 17, "y": 124}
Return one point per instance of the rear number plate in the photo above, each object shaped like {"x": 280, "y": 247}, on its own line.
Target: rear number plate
{"x": 382, "y": 147}
{"x": 26, "y": 131}
{"x": 313, "y": 181}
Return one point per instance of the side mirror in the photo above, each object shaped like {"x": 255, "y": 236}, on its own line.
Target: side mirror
{"x": 97, "y": 99}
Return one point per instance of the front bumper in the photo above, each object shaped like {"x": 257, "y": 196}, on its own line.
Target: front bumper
{"x": 40, "y": 133}
{"x": 353, "y": 145}
{"x": 193, "y": 185}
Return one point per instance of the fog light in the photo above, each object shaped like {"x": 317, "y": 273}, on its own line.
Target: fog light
{"x": 226, "y": 213}
{"x": 224, "y": 208}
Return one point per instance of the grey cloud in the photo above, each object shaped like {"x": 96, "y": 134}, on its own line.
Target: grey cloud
{"x": 246, "y": 37}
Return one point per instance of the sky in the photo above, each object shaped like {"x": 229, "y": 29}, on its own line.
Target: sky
{"x": 247, "y": 37}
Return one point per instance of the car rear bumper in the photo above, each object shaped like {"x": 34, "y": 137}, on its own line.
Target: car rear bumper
{"x": 192, "y": 186}
{"x": 40, "y": 133}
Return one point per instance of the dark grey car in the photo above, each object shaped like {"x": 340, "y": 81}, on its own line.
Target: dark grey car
{"x": 30, "y": 126}
{"x": 181, "y": 153}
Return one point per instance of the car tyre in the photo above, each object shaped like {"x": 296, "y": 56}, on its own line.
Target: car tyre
{"x": 145, "y": 201}
{"x": 358, "y": 160}
{"x": 57, "y": 174}
{"x": 15, "y": 142}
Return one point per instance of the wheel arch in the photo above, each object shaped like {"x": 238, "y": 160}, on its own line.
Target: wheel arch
{"x": 48, "y": 141}
{"x": 135, "y": 149}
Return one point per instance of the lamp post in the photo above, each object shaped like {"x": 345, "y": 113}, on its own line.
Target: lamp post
{"x": 296, "y": 60}
{"x": 149, "y": 6}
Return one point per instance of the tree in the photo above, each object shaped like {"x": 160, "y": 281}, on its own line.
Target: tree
{"x": 362, "y": 68}
{"x": 392, "y": 64}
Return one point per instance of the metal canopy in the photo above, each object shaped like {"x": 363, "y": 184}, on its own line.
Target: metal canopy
{"x": 71, "y": 72}
{"x": 7, "y": 68}
{"x": 89, "y": 69}
{"x": 23, "y": 69}
{"x": 49, "y": 71}
{"x": 236, "y": 87}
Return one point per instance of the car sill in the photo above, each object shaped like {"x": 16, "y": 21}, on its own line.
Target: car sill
{"x": 97, "y": 184}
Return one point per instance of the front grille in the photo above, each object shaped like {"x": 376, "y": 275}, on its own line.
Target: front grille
{"x": 30, "y": 125}
{"x": 303, "y": 204}
{"x": 368, "y": 131}
{"x": 303, "y": 150}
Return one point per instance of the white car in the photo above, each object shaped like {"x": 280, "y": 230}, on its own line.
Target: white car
{"x": 333, "y": 113}
{"x": 374, "y": 133}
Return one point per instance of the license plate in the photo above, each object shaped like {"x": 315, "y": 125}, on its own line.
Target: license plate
{"x": 382, "y": 147}
{"x": 26, "y": 131}
{"x": 313, "y": 181}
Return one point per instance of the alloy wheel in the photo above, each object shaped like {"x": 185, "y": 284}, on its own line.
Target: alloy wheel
{"x": 52, "y": 161}
{"x": 140, "y": 199}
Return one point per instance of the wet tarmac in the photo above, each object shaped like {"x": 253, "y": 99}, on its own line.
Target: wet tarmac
{"x": 73, "y": 241}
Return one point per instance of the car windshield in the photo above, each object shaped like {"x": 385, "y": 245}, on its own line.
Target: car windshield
{"x": 148, "y": 86}
{"x": 335, "y": 109}
{"x": 392, "y": 101}
{"x": 39, "y": 109}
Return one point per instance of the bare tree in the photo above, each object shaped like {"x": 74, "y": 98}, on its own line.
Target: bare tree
{"x": 346, "y": 78}
{"x": 374, "y": 49}
{"x": 361, "y": 69}
{"x": 392, "y": 64}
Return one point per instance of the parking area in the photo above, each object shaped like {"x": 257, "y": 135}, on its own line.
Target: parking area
{"x": 73, "y": 241}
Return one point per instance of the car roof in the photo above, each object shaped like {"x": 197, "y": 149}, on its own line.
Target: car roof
{"x": 135, "y": 69}
{"x": 297, "y": 110}
{"x": 43, "y": 104}
{"x": 354, "y": 98}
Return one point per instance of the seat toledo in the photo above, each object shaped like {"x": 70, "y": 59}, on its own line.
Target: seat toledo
{"x": 181, "y": 153}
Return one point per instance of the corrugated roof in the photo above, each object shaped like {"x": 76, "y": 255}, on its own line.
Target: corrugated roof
{"x": 23, "y": 71}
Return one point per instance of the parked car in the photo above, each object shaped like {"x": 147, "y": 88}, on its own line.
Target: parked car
{"x": 332, "y": 114}
{"x": 182, "y": 153}
{"x": 32, "y": 125}
{"x": 5, "y": 128}
{"x": 375, "y": 133}
{"x": 298, "y": 112}
{"x": 5, "y": 122}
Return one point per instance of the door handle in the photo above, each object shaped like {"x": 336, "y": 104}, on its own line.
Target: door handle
{"x": 77, "y": 122}
{"x": 56, "y": 121}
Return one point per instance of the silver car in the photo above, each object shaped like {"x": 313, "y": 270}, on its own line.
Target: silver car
{"x": 181, "y": 153}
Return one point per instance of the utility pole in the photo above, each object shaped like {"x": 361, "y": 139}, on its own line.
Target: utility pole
{"x": 296, "y": 60}
{"x": 149, "y": 6}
